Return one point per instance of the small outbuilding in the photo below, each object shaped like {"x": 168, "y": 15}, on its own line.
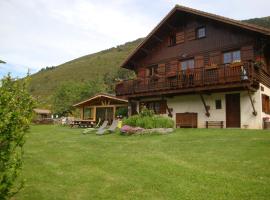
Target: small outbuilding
{"x": 101, "y": 107}
{"x": 42, "y": 116}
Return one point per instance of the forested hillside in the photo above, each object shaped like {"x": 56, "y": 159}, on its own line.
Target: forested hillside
{"x": 83, "y": 69}
{"x": 264, "y": 21}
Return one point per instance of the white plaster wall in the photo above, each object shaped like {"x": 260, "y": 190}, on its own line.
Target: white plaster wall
{"x": 248, "y": 120}
{"x": 193, "y": 103}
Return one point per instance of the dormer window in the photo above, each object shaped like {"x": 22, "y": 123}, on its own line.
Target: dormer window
{"x": 172, "y": 39}
{"x": 201, "y": 32}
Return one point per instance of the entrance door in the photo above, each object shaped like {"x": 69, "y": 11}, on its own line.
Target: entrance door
{"x": 105, "y": 114}
{"x": 233, "y": 110}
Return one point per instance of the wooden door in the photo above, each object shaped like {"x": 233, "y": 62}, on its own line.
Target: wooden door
{"x": 233, "y": 110}
{"x": 186, "y": 120}
{"x": 105, "y": 113}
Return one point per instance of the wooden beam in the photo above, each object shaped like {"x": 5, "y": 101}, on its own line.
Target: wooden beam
{"x": 252, "y": 103}
{"x": 205, "y": 106}
{"x": 169, "y": 110}
{"x": 157, "y": 38}
{"x": 170, "y": 26}
{"x": 145, "y": 51}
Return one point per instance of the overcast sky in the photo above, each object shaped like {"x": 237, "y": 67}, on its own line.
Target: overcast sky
{"x": 40, "y": 33}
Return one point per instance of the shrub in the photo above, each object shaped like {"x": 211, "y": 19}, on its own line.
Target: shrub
{"x": 122, "y": 111}
{"x": 148, "y": 120}
{"x": 16, "y": 107}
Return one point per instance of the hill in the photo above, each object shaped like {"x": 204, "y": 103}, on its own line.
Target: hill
{"x": 264, "y": 21}
{"x": 82, "y": 69}
{"x": 90, "y": 67}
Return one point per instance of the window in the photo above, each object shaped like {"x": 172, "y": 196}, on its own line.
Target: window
{"x": 265, "y": 104}
{"x": 172, "y": 40}
{"x": 231, "y": 57}
{"x": 159, "y": 107}
{"x": 200, "y": 33}
{"x": 87, "y": 113}
{"x": 151, "y": 70}
{"x": 218, "y": 104}
{"x": 187, "y": 64}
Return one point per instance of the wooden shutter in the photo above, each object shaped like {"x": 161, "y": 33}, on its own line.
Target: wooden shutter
{"x": 215, "y": 58}
{"x": 161, "y": 69}
{"x": 199, "y": 61}
{"x": 180, "y": 37}
{"x": 141, "y": 72}
{"x": 265, "y": 103}
{"x": 163, "y": 107}
{"x": 191, "y": 34}
{"x": 247, "y": 53}
{"x": 171, "y": 68}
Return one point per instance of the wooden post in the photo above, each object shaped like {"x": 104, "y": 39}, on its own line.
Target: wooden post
{"x": 114, "y": 110}
{"x": 95, "y": 113}
{"x": 82, "y": 113}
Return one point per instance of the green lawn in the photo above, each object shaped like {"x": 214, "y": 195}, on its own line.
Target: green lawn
{"x": 61, "y": 163}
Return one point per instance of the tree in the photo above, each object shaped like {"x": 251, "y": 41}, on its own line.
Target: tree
{"x": 121, "y": 74}
{"x": 70, "y": 93}
{"x": 16, "y": 108}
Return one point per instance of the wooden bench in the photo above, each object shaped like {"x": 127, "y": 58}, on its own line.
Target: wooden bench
{"x": 214, "y": 124}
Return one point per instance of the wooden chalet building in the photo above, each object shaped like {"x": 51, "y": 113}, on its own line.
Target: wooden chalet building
{"x": 202, "y": 69}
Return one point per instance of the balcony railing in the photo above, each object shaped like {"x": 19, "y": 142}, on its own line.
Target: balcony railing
{"x": 194, "y": 78}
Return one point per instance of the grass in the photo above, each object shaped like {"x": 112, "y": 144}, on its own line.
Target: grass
{"x": 61, "y": 163}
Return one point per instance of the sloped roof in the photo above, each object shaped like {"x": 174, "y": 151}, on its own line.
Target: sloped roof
{"x": 100, "y": 95}
{"x": 178, "y": 8}
{"x": 42, "y": 111}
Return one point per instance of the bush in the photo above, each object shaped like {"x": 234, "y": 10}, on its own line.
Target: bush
{"x": 16, "y": 108}
{"x": 146, "y": 119}
{"x": 122, "y": 111}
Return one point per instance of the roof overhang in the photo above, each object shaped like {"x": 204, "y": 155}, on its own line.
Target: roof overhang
{"x": 111, "y": 97}
{"x": 178, "y": 8}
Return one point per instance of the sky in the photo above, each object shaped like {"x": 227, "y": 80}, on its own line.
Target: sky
{"x": 39, "y": 33}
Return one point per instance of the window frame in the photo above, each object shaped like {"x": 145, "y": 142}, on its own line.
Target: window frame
{"x": 197, "y": 32}
{"x": 231, "y": 53}
{"x": 187, "y": 61}
{"x": 172, "y": 40}
{"x": 218, "y": 104}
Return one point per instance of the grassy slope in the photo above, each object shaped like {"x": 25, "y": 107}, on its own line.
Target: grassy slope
{"x": 61, "y": 163}
{"x": 82, "y": 69}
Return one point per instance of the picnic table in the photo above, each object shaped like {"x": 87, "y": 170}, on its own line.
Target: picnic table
{"x": 82, "y": 123}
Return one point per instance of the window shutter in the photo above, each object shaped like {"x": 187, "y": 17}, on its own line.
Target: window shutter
{"x": 191, "y": 34}
{"x": 199, "y": 61}
{"x": 247, "y": 53}
{"x": 161, "y": 69}
{"x": 171, "y": 68}
{"x": 180, "y": 37}
{"x": 265, "y": 103}
{"x": 141, "y": 72}
{"x": 215, "y": 58}
{"x": 163, "y": 107}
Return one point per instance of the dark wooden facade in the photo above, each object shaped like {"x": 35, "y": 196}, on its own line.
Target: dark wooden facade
{"x": 161, "y": 61}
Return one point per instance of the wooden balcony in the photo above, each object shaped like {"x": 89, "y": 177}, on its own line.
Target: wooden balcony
{"x": 219, "y": 78}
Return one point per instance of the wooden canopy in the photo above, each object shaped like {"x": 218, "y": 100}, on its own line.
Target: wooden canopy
{"x": 101, "y": 106}
{"x": 102, "y": 100}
